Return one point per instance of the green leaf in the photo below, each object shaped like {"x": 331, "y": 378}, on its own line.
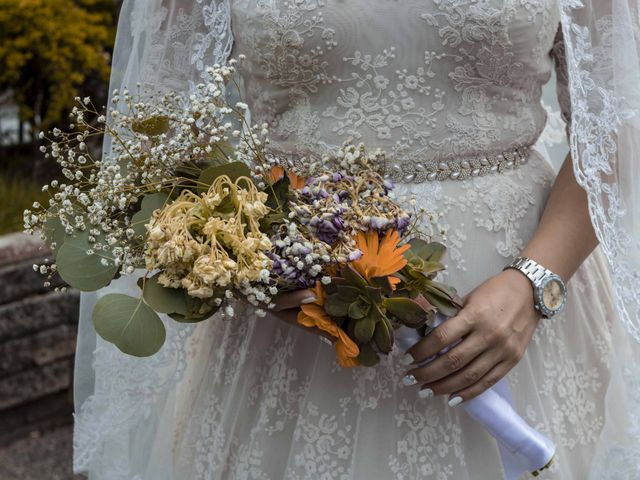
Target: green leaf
{"x": 129, "y": 324}
{"x": 82, "y": 271}
{"x": 383, "y": 284}
{"x": 54, "y": 232}
{"x": 408, "y": 311}
{"x": 359, "y": 309}
{"x": 226, "y": 206}
{"x": 198, "y": 309}
{"x": 442, "y": 304}
{"x": 163, "y": 299}
{"x": 278, "y": 194}
{"x": 352, "y": 277}
{"x": 383, "y": 335}
{"x": 446, "y": 290}
{"x": 151, "y": 126}
{"x": 364, "y": 329}
{"x": 348, "y": 293}
{"x": 335, "y": 306}
{"x": 428, "y": 251}
{"x": 223, "y": 151}
{"x": 375, "y": 294}
{"x": 368, "y": 356}
{"x": 233, "y": 170}
{"x": 150, "y": 203}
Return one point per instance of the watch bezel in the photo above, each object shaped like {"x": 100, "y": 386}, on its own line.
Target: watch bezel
{"x": 539, "y": 294}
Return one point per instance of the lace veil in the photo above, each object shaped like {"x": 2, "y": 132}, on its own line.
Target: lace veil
{"x": 164, "y": 44}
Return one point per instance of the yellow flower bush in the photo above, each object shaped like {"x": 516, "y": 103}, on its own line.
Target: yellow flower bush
{"x": 50, "y": 49}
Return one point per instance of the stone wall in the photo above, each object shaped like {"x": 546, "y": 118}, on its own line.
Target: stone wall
{"x": 37, "y": 343}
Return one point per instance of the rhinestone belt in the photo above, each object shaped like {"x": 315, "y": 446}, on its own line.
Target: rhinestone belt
{"x": 411, "y": 171}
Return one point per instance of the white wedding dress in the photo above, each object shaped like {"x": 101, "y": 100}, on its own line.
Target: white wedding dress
{"x": 450, "y": 89}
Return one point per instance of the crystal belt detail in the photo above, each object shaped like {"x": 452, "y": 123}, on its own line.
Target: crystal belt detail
{"x": 411, "y": 171}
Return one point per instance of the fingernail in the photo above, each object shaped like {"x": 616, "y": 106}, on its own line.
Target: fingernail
{"x": 407, "y": 359}
{"x": 454, "y": 401}
{"x": 409, "y": 380}
{"x": 310, "y": 299}
{"x": 425, "y": 393}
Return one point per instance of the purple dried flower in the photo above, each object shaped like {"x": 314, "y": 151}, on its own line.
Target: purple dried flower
{"x": 355, "y": 255}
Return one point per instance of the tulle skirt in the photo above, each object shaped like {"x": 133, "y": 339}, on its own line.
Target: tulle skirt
{"x": 255, "y": 398}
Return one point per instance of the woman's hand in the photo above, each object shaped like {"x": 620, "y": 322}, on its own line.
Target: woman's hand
{"x": 287, "y": 306}
{"x": 496, "y": 325}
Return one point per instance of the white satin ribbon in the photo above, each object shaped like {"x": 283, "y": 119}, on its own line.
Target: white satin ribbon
{"x": 522, "y": 448}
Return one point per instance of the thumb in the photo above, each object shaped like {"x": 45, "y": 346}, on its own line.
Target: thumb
{"x": 293, "y": 299}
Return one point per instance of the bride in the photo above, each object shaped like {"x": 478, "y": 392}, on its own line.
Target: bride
{"x": 451, "y": 90}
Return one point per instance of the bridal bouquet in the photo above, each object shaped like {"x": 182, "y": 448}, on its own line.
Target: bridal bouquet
{"x": 188, "y": 193}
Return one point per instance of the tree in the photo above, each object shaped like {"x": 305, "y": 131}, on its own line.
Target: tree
{"x": 52, "y": 51}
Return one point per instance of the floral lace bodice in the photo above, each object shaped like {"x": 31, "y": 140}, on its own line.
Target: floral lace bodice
{"x": 428, "y": 80}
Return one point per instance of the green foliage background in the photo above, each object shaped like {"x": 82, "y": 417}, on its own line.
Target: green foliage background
{"x": 50, "y": 52}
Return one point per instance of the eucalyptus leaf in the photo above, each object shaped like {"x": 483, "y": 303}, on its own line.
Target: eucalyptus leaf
{"x": 80, "y": 270}
{"x": 233, "y": 170}
{"x": 163, "y": 299}
{"x": 54, "y": 233}
{"x": 149, "y": 204}
{"x": 223, "y": 151}
{"x": 129, "y": 324}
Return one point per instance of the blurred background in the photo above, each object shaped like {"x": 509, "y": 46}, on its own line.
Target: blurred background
{"x": 50, "y": 52}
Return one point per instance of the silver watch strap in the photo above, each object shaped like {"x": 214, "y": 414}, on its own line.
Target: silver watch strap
{"x": 532, "y": 269}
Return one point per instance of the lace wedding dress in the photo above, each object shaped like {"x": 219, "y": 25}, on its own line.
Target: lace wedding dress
{"x": 451, "y": 89}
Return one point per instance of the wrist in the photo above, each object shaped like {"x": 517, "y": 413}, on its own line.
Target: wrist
{"x": 519, "y": 282}
{"x": 549, "y": 290}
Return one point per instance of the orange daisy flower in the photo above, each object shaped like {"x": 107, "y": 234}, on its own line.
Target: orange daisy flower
{"x": 313, "y": 315}
{"x": 380, "y": 257}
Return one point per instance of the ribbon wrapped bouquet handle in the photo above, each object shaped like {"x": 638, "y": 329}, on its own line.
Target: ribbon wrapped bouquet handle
{"x": 522, "y": 448}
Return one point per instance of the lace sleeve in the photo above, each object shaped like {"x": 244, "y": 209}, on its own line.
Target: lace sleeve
{"x": 558, "y": 54}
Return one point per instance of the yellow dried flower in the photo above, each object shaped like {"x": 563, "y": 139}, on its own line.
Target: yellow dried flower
{"x": 212, "y": 240}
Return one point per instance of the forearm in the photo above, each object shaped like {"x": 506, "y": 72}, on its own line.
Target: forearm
{"x": 564, "y": 237}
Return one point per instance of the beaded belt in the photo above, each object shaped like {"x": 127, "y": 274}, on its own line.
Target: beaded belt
{"x": 411, "y": 171}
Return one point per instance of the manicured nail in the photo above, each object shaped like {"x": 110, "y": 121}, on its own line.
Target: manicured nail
{"x": 310, "y": 299}
{"x": 407, "y": 359}
{"x": 455, "y": 401}
{"x": 409, "y": 380}
{"x": 425, "y": 393}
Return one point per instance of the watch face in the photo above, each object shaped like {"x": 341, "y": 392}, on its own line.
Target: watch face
{"x": 553, "y": 294}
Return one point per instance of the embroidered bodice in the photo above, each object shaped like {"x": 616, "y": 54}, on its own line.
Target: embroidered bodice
{"x": 431, "y": 82}
{"x": 426, "y": 80}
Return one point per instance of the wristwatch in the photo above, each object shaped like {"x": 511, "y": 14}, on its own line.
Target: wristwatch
{"x": 549, "y": 291}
